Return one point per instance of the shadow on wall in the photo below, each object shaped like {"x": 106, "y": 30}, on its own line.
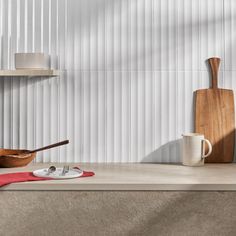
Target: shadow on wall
{"x": 168, "y": 153}
{"x": 171, "y": 152}
{"x": 91, "y": 12}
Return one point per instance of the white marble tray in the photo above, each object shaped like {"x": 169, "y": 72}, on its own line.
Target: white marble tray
{"x": 73, "y": 173}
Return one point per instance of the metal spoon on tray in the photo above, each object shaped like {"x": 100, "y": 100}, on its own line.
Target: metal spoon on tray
{"x": 51, "y": 169}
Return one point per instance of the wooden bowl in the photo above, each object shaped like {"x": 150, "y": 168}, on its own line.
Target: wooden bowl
{"x": 13, "y": 158}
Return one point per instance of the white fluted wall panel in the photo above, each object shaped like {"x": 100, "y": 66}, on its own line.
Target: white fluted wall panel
{"x": 128, "y": 72}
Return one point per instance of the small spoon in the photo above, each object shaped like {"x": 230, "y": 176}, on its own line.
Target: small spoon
{"x": 51, "y": 169}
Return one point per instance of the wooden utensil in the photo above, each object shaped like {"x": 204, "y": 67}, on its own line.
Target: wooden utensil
{"x": 50, "y": 146}
{"x": 16, "y": 158}
{"x": 215, "y": 117}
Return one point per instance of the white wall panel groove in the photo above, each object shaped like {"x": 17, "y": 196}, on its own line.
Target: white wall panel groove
{"x": 128, "y": 72}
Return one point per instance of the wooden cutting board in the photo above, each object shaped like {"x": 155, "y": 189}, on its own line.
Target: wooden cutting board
{"x": 215, "y": 118}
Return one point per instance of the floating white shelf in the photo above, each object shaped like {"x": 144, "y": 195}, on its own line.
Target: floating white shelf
{"x": 29, "y": 72}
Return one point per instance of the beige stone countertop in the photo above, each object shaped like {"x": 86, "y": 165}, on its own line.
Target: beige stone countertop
{"x": 217, "y": 177}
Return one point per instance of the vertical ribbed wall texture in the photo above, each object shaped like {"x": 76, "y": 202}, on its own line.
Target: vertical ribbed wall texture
{"x": 128, "y": 72}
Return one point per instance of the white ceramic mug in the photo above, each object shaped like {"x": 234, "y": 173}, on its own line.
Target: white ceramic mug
{"x": 194, "y": 149}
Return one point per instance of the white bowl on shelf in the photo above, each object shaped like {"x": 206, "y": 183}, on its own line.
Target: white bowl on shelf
{"x": 33, "y": 61}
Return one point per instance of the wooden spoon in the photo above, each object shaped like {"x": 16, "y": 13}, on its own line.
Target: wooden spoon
{"x": 41, "y": 149}
{"x": 49, "y": 146}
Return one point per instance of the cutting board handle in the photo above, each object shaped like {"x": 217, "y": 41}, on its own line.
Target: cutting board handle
{"x": 214, "y": 65}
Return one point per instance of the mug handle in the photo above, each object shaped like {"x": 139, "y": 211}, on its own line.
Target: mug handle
{"x": 210, "y": 148}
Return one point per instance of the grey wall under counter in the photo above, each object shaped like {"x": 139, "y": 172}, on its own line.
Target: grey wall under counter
{"x": 108, "y": 213}
{"x": 128, "y": 72}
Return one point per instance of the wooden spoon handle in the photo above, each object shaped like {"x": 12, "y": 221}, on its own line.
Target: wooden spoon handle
{"x": 214, "y": 65}
{"x": 50, "y": 146}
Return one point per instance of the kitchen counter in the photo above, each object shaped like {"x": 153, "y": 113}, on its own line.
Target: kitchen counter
{"x": 214, "y": 177}
{"x": 150, "y": 209}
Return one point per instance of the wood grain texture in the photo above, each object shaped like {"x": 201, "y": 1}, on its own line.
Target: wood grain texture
{"x": 49, "y": 146}
{"x": 15, "y": 158}
{"x": 215, "y": 117}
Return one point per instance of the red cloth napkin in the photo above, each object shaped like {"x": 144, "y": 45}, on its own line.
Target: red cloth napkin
{"x": 28, "y": 176}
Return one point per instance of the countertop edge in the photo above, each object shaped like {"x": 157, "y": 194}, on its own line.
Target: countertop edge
{"x": 119, "y": 187}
